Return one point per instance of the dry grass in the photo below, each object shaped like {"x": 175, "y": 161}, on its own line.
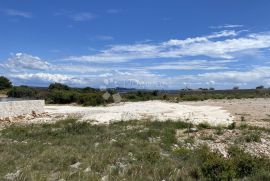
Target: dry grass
{"x": 135, "y": 150}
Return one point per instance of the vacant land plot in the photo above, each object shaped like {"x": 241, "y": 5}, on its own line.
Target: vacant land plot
{"x": 254, "y": 112}
{"x": 149, "y": 110}
{"x": 140, "y": 147}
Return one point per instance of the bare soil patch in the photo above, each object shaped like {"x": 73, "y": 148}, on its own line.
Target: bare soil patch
{"x": 148, "y": 110}
{"x": 255, "y": 112}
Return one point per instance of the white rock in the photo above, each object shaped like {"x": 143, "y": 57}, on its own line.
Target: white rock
{"x": 75, "y": 165}
{"x": 105, "y": 178}
{"x": 12, "y": 176}
{"x": 88, "y": 169}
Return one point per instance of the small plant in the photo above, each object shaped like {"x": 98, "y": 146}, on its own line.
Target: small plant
{"x": 254, "y": 136}
{"x": 204, "y": 126}
{"x": 217, "y": 168}
{"x": 208, "y": 137}
{"x": 232, "y": 126}
{"x": 219, "y": 130}
{"x": 243, "y": 163}
{"x": 243, "y": 126}
{"x": 190, "y": 140}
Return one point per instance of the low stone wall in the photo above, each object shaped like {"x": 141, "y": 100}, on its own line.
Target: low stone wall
{"x": 19, "y": 108}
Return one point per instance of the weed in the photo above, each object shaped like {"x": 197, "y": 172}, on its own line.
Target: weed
{"x": 232, "y": 126}
{"x": 254, "y": 136}
{"x": 243, "y": 126}
{"x": 204, "y": 126}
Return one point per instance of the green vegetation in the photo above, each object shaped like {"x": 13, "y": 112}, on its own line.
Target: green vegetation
{"x": 249, "y": 136}
{"x": 22, "y": 92}
{"x": 232, "y": 126}
{"x": 204, "y": 126}
{"x": 58, "y": 93}
{"x": 135, "y": 150}
{"x": 196, "y": 95}
{"x": 5, "y": 83}
{"x": 254, "y": 136}
{"x": 61, "y": 94}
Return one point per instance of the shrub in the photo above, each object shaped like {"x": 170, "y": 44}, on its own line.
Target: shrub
{"x": 243, "y": 126}
{"x": 232, "y": 126}
{"x": 22, "y": 92}
{"x": 217, "y": 167}
{"x": 204, "y": 125}
{"x": 91, "y": 99}
{"x": 58, "y": 86}
{"x": 89, "y": 90}
{"x": 155, "y": 93}
{"x": 62, "y": 97}
{"x": 254, "y": 136}
{"x": 5, "y": 83}
{"x": 243, "y": 163}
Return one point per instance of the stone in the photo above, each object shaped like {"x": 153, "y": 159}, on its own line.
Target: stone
{"x": 87, "y": 170}
{"x": 75, "y": 165}
{"x": 12, "y": 176}
{"x": 105, "y": 178}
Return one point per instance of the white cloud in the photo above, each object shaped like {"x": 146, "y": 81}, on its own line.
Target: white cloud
{"x": 224, "y": 33}
{"x": 84, "y": 16}
{"x": 191, "y": 65}
{"x": 258, "y": 74}
{"x": 13, "y": 12}
{"x": 113, "y": 11}
{"x": 49, "y": 78}
{"x": 210, "y": 46}
{"x": 104, "y": 37}
{"x": 20, "y": 61}
{"x": 226, "y": 26}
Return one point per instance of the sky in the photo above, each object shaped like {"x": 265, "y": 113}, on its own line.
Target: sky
{"x": 146, "y": 44}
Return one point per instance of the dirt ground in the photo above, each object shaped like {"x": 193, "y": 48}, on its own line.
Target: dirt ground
{"x": 148, "y": 110}
{"x": 255, "y": 112}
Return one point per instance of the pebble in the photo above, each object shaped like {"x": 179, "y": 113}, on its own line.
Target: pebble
{"x": 75, "y": 165}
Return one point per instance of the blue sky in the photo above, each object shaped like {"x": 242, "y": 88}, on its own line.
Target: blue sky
{"x": 153, "y": 44}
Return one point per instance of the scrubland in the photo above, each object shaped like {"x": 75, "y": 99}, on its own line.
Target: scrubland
{"x": 133, "y": 150}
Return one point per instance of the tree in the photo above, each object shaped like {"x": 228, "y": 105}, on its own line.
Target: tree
{"x": 235, "y": 88}
{"x": 155, "y": 93}
{"x": 5, "y": 83}
{"x": 58, "y": 86}
{"x": 260, "y": 87}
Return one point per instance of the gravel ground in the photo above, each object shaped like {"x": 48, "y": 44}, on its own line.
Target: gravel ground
{"x": 254, "y": 112}
{"x": 150, "y": 110}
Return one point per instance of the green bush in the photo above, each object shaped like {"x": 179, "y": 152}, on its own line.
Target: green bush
{"x": 232, "y": 126}
{"x": 243, "y": 163}
{"x": 91, "y": 99}
{"x": 254, "y": 136}
{"x": 22, "y": 92}
{"x": 5, "y": 83}
{"x": 204, "y": 126}
{"x": 217, "y": 167}
{"x": 58, "y": 86}
{"x": 62, "y": 97}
